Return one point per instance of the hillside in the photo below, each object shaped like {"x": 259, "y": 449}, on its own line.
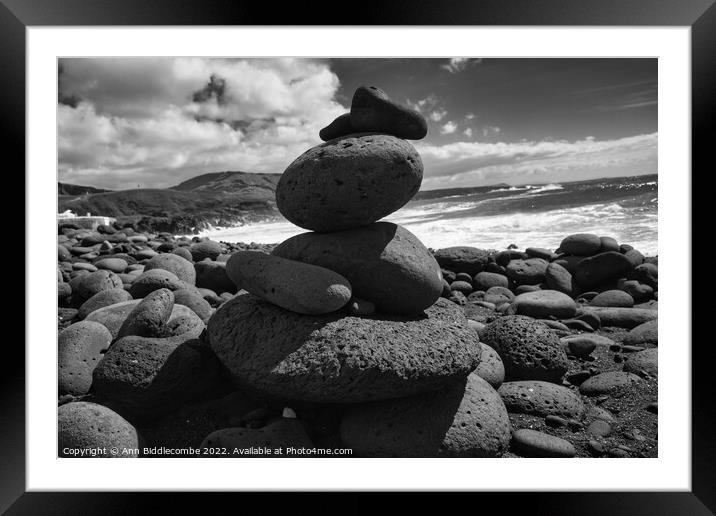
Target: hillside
{"x": 216, "y": 199}
{"x": 70, "y": 189}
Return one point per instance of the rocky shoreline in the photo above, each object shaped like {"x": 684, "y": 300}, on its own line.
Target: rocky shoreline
{"x": 354, "y": 335}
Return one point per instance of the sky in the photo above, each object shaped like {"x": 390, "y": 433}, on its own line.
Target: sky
{"x": 155, "y": 122}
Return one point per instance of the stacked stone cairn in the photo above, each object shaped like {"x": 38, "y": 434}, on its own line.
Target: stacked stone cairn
{"x": 353, "y": 334}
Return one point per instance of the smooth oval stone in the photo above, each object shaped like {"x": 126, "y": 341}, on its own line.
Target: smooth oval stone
{"x": 205, "y": 249}
{"x": 150, "y": 316}
{"x": 529, "y": 350}
{"x": 153, "y": 376}
{"x": 487, "y": 280}
{"x": 102, "y": 299}
{"x": 470, "y": 260}
{"x": 635, "y": 257}
{"x": 531, "y": 443}
{"x": 647, "y": 273}
{"x": 558, "y": 278}
{"x": 83, "y": 266}
{"x": 646, "y": 333}
{"x": 643, "y": 362}
{"x": 588, "y": 340}
{"x": 193, "y": 300}
{"x": 349, "y": 182}
{"x": 300, "y": 287}
{"x": 63, "y": 254}
{"x": 95, "y": 428}
{"x": 527, "y": 272}
{"x": 581, "y": 347}
{"x": 465, "y": 420}
{"x": 372, "y": 110}
{"x": 569, "y": 262}
{"x": 640, "y": 292}
{"x": 335, "y": 358}
{"x": 540, "y": 252}
{"x": 498, "y": 295}
{"x": 282, "y": 433}
{"x": 180, "y": 267}
{"x": 622, "y": 317}
{"x": 155, "y": 279}
{"x": 599, "y": 428}
{"x": 541, "y": 399}
{"x": 613, "y": 298}
{"x": 113, "y": 316}
{"x": 463, "y": 287}
{"x": 491, "y": 369}
{"x": 340, "y": 126}
{"x": 212, "y": 275}
{"x": 504, "y": 257}
{"x": 64, "y": 290}
{"x": 79, "y": 348}
{"x": 545, "y": 303}
{"x": 384, "y": 263}
{"x": 600, "y": 268}
{"x": 95, "y": 282}
{"x": 183, "y": 252}
{"x": 581, "y": 244}
{"x": 604, "y": 383}
{"x": 115, "y": 265}
{"x": 608, "y": 244}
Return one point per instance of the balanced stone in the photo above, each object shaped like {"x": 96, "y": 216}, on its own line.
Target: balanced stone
{"x": 372, "y": 110}
{"x": 334, "y": 358}
{"x": 529, "y": 350}
{"x": 545, "y": 303}
{"x": 541, "y": 399}
{"x": 349, "y": 182}
{"x": 96, "y": 429}
{"x": 341, "y": 126}
{"x": 608, "y": 244}
{"x": 79, "y": 349}
{"x": 300, "y": 287}
{"x": 384, "y": 263}
{"x": 464, "y": 420}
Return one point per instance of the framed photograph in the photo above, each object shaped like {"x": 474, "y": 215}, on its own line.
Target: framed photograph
{"x": 390, "y": 252}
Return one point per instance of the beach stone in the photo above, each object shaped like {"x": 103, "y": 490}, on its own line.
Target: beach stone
{"x": 80, "y": 250}
{"x": 84, "y": 266}
{"x": 558, "y": 278}
{"x": 205, "y": 249}
{"x": 581, "y": 347}
{"x": 470, "y": 260}
{"x": 183, "y": 252}
{"x": 495, "y": 268}
{"x": 360, "y": 307}
{"x": 599, "y": 428}
{"x": 115, "y": 265}
{"x": 646, "y": 333}
{"x": 349, "y": 182}
{"x": 372, "y": 110}
{"x": 531, "y": 443}
{"x": 487, "y": 280}
{"x": 457, "y": 297}
{"x": 529, "y": 350}
{"x": 555, "y": 325}
{"x": 463, "y": 287}
{"x": 539, "y": 252}
{"x": 63, "y": 290}
{"x": 463, "y": 276}
{"x": 586, "y": 341}
{"x": 647, "y": 273}
{"x": 613, "y": 298}
{"x": 604, "y": 383}
{"x": 337, "y": 358}
{"x": 149, "y": 318}
{"x": 643, "y": 362}
{"x": 384, "y": 263}
{"x": 608, "y": 244}
{"x": 79, "y": 348}
{"x": 155, "y": 279}
{"x": 581, "y": 244}
{"x": 95, "y": 282}
{"x": 153, "y": 376}
{"x": 92, "y": 239}
{"x": 504, "y": 257}
{"x": 638, "y": 291}
{"x": 491, "y": 369}
{"x": 113, "y": 316}
{"x": 541, "y": 399}
{"x": 340, "y": 126}
{"x": 597, "y": 412}
{"x": 300, "y": 287}
{"x": 635, "y": 258}
{"x": 180, "y": 267}
{"x": 498, "y": 295}
{"x": 622, "y": 317}
{"x": 102, "y": 299}
{"x": 63, "y": 254}
{"x": 600, "y": 268}
{"x": 545, "y": 303}
{"x": 569, "y": 262}
{"x": 522, "y": 289}
{"x": 446, "y": 290}
{"x": 465, "y": 420}
{"x": 591, "y": 318}
{"x": 527, "y": 272}
{"x": 82, "y": 425}
{"x": 282, "y": 433}
{"x": 193, "y": 300}
{"x": 212, "y": 275}
{"x": 145, "y": 254}
{"x": 448, "y": 276}
{"x": 577, "y": 324}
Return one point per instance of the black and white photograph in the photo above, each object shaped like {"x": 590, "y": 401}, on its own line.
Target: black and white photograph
{"x": 357, "y": 257}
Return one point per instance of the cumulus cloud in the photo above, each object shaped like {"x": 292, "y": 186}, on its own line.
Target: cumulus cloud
{"x": 468, "y": 132}
{"x": 476, "y": 163}
{"x": 156, "y": 122}
{"x": 458, "y": 64}
{"x": 437, "y": 115}
{"x": 448, "y": 127}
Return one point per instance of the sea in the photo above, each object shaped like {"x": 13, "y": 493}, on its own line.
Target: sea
{"x": 495, "y": 217}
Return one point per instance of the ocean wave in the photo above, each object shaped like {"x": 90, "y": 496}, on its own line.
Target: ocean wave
{"x": 546, "y": 188}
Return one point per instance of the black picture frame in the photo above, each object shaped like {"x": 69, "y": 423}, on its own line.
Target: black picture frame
{"x": 17, "y": 15}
